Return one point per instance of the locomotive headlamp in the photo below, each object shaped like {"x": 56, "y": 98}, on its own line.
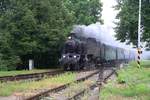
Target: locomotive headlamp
{"x": 74, "y": 56}
{"x": 64, "y": 56}
{"x": 69, "y": 37}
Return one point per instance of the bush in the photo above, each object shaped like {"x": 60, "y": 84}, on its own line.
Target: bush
{"x": 8, "y": 63}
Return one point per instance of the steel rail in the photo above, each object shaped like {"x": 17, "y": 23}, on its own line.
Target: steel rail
{"x": 38, "y": 76}
{"x": 45, "y": 93}
{"x": 81, "y": 93}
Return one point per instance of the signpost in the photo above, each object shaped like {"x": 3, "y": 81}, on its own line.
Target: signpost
{"x": 31, "y": 64}
{"x": 139, "y": 35}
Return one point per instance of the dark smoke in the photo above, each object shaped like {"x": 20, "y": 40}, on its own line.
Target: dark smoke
{"x": 104, "y": 34}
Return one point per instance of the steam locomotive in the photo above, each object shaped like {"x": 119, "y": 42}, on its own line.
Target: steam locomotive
{"x": 80, "y": 52}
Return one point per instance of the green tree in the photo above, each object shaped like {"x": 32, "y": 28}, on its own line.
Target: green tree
{"x": 127, "y": 27}
{"x": 35, "y": 27}
{"x": 85, "y": 11}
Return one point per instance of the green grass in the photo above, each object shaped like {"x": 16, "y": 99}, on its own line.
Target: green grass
{"x": 131, "y": 83}
{"x": 7, "y": 89}
{"x": 144, "y": 63}
{"x": 13, "y": 73}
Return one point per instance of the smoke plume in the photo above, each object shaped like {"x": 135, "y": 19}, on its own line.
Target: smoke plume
{"x": 100, "y": 32}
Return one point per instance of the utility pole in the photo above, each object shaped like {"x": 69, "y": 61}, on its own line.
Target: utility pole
{"x": 139, "y": 35}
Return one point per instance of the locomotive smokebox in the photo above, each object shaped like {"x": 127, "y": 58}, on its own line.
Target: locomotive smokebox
{"x": 70, "y": 61}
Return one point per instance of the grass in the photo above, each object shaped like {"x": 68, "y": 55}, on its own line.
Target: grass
{"x": 144, "y": 63}
{"x": 132, "y": 83}
{"x": 7, "y": 89}
{"x": 13, "y": 73}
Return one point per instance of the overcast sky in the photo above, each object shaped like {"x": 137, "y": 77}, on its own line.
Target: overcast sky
{"x": 108, "y": 13}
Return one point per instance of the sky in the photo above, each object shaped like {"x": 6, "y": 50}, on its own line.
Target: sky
{"x": 109, "y": 14}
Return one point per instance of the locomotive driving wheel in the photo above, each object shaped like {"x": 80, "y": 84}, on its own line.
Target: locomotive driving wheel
{"x": 76, "y": 66}
{"x": 67, "y": 67}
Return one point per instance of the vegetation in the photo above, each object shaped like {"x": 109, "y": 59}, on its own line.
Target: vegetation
{"x": 7, "y": 89}
{"x": 131, "y": 83}
{"x": 143, "y": 63}
{"x": 32, "y": 28}
{"x": 36, "y": 29}
{"x": 127, "y": 27}
{"x": 85, "y": 11}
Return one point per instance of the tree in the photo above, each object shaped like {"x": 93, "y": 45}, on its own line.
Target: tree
{"x": 85, "y": 11}
{"x": 34, "y": 27}
{"x": 127, "y": 27}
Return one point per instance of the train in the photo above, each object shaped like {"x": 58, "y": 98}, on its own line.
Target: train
{"x": 80, "y": 52}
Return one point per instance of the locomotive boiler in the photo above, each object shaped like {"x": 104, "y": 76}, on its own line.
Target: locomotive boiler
{"x": 73, "y": 54}
{"x": 80, "y": 52}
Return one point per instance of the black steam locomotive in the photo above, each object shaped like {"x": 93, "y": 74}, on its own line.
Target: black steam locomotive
{"x": 80, "y": 52}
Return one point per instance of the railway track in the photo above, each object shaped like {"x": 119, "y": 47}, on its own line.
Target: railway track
{"x": 38, "y": 94}
{"x": 98, "y": 85}
{"x": 78, "y": 95}
{"x": 62, "y": 87}
{"x": 35, "y": 76}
